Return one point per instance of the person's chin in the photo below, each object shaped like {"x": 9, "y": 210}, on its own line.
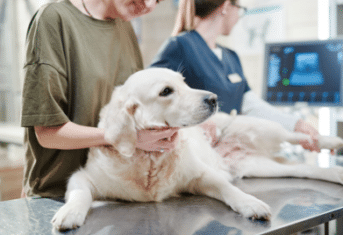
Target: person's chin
{"x": 127, "y": 18}
{"x": 131, "y": 15}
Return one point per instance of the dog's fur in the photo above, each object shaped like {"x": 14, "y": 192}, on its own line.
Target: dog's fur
{"x": 124, "y": 172}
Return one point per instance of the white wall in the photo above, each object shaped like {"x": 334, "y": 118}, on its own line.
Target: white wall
{"x": 156, "y": 28}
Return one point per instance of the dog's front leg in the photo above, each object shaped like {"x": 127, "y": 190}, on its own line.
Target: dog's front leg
{"x": 214, "y": 185}
{"x": 78, "y": 201}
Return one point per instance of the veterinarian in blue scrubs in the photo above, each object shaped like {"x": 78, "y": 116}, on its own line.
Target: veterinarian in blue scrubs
{"x": 192, "y": 50}
{"x": 77, "y": 52}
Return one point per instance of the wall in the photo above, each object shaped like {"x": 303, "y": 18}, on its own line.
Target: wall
{"x": 156, "y": 28}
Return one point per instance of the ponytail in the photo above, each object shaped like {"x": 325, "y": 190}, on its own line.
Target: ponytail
{"x": 185, "y": 17}
{"x": 188, "y": 9}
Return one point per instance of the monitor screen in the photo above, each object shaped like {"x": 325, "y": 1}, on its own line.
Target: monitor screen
{"x": 307, "y": 71}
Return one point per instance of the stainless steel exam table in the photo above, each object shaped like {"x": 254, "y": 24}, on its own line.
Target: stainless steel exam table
{"x": 296, "y": 204}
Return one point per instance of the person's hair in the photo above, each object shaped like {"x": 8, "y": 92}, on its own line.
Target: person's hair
{"x": 188, "y": 9}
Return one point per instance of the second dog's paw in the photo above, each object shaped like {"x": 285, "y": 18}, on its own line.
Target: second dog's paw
{"x": 251, "y": 207}
{"x": 69, "y": 217}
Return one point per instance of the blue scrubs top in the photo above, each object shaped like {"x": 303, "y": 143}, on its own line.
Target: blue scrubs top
{"x": 189, "y": 54}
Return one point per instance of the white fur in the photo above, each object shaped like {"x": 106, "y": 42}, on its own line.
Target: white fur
{"x": 265, "y": 137}
{"x": 124, "y": 172}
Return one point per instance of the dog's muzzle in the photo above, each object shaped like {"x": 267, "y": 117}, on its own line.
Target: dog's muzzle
{"x": 211, "y": 102}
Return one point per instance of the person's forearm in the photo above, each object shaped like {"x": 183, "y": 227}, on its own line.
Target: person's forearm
{"x": 253, "y": 105}
{"x": 70, "y": 136}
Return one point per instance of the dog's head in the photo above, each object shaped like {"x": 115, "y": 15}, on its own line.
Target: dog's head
{"x": 154, "y": 97}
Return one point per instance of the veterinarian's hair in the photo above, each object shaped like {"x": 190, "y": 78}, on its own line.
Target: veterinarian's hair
{"x": 188, "y": 9}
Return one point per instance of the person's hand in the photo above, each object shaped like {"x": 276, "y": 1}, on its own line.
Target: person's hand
{"x": 157, "y": 139}
{"x": 303, "y": 127}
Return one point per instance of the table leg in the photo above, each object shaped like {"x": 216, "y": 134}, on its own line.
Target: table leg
{"x": 339, "y": 225}
{"x": 326, "y": 228}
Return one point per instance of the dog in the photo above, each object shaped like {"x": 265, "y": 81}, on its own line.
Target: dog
{"x": 159, "y": 97}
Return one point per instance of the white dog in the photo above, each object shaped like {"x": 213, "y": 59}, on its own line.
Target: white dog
{"x": 159, "y": 97}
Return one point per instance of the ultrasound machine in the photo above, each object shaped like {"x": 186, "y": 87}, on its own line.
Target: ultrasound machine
{"x": 307, "y": 72}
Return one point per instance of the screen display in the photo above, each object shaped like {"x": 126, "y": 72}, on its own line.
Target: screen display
{"x": 308, "y": 71}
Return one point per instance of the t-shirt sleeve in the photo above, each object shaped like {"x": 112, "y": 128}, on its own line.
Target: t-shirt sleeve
{"x": 44, "y": 97}
{"x": 169, "y": 56}
{"x": 44, "y": 40}
{"x": 45, "y": 85}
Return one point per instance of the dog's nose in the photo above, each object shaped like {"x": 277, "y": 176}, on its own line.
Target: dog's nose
{"x": 211, "y": 100}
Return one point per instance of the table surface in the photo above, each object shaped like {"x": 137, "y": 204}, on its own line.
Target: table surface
{"x": 296, "y": 204}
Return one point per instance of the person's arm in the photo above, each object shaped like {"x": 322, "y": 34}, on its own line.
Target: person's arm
{"x": 69, "y": 136}
{"x": 253, "y": 105}
{"x": 73, "y": 136}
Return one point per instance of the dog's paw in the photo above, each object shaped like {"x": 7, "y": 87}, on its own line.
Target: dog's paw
{"x": 251, "y": 207}
{"x": 69, "y": 217}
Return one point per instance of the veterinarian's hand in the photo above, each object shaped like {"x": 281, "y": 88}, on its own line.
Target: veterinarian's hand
{"x": 303, "y": 127}
{"x": 159, "y": 139}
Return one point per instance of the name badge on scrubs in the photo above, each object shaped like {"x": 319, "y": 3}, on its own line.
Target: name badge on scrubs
{"x": 234, "y": 78}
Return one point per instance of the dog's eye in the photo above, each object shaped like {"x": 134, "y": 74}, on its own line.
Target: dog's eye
{"x": 166, "y": 91}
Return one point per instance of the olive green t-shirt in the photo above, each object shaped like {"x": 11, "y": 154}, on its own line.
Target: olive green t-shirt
{"x": 73, "y": 63}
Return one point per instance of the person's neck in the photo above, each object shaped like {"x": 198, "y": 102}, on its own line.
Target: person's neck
{"x": 209, "y": 29}
{"x": 98, "y": 9}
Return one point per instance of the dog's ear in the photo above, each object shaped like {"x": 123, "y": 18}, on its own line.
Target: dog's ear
{"x": 119, "y": 124}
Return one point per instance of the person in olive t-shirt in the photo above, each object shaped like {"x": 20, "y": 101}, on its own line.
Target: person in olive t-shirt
{"x": 77, "y": 52}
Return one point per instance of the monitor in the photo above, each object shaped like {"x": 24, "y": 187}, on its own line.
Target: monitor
{"x": 306, "y": 71}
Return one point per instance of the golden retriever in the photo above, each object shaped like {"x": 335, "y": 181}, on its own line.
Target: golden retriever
{"x": 159, "y": 97}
